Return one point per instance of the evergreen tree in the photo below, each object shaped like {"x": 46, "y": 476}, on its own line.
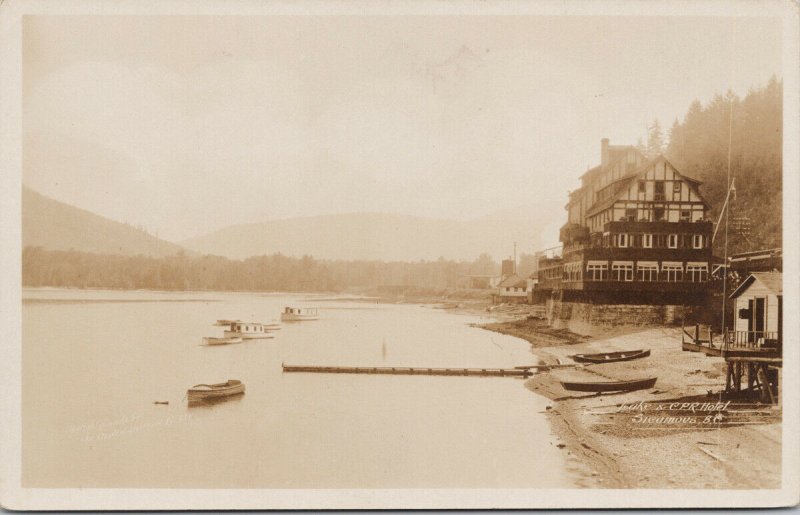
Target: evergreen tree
{"x": 655, "y": 140}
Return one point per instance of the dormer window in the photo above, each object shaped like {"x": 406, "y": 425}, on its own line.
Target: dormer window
{"x": 676, "y": 186}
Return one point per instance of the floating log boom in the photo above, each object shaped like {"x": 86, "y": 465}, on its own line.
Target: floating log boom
{"x": 485, "y": 372}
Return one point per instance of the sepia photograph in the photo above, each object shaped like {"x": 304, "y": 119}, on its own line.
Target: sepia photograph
{"x": 399, "y": 255}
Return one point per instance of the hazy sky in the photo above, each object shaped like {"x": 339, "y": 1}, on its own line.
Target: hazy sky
{"x": 188, "y": 124}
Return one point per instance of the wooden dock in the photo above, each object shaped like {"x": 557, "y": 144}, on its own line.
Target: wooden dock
{"x": 410, "y": 371}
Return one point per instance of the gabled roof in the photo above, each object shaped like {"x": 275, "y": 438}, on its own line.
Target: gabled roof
{"x": 624, "y": 181}
{"x": 773, "y": 281}
{"x": 513, "y": 281}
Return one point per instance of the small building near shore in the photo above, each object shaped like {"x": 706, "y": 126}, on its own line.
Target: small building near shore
{"x": 513, "y": 289}
{"x": 758, "y": 308}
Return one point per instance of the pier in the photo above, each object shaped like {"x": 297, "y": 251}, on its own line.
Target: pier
{"x": 482, "y": 372}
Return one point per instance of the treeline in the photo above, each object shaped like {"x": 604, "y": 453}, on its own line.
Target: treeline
{"x": 699, "y": 147}
{"x": 276, "y": 272}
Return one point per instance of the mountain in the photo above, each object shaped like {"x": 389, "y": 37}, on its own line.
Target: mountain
{"x": 54, "y": 225}
{"x": 369, "y": 236}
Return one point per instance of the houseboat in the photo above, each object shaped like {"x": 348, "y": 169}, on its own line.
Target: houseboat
{"x": 248, "y": 330}
{"x": 299, "y": 314}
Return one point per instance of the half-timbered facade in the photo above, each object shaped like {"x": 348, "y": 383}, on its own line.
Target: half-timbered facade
{"x": 636, "y": 233}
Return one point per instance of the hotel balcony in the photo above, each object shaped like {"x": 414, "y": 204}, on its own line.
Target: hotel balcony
{"x": 702, "y": 227}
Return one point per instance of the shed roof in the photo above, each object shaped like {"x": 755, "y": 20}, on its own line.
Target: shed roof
{"x": 773, "y": 281}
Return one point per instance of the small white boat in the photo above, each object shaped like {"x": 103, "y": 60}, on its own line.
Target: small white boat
{"x": 299, "y": 314}
{"x": 212, "y": 340}
{"x": 248, "y": 330}
{"x": 210, "y": 392}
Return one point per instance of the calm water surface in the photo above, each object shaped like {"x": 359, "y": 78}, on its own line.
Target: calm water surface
{"x": 94, "y": 362}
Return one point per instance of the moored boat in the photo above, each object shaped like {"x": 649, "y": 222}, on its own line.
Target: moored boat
{"x": 610, "y": 386}
{"x": 213, "y": 340}
{"x": 299, "y": 314}
{"x": 611, "y": 357}
{"x": 210, "y": 392}
{"x": 248, "y": 330}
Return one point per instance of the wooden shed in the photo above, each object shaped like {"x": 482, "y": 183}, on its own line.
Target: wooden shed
{"x": 758, "y": 308}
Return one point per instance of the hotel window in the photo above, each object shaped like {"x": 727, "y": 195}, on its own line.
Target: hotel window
{"x": 642, "y": 187}
{"x": 676, "y": 186}
{"x": 697, "y": 272}
{"x": 697, "y": 241}
{"x": 647, "y": 271}
{"x": 622, "y": 240}
{"x": 597, "y": 270}
{"x": 659, "y": 190}
{"x": 672, "y": 241}
{"x": 658, "y": 214}
{"x": 672, "y": 272}
{"x": 647, "y": 241}
{"x": 622, "y": 271}
{"x": 686, "y": 216}
{"x": 630, "y": 215}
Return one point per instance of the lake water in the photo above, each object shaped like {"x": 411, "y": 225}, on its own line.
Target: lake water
{"x": 95, "y": 361}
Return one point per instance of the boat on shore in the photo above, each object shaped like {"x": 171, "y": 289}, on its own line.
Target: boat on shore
{"x": 611, "y": 357}
{"x": 610, "y": 386}
{"x": 248, "y": 330}
{"x": 213, "y": 340}
{"x": 211, "y": 392}
{"x": 299, "y": 314}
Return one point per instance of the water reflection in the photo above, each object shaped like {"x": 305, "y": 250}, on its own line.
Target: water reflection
{"x": 210, "y": 403}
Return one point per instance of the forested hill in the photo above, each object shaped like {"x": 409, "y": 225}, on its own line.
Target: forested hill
{"x": 699, "y": 147}
{"x": 54, "y": 225}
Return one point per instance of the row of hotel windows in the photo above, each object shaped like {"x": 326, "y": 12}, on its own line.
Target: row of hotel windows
{"x": 648, "y": 271}
{"x": 658, "y": 241}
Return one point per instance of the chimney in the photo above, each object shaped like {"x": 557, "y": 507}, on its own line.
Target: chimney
{"x": 507, "y": 269}
{"x": 604, "y": 152}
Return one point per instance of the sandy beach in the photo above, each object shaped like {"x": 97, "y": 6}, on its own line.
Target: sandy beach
{"x": 680, "y": 434}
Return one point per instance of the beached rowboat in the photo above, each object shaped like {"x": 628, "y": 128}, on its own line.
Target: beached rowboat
{"x": 212, "y": 340}
{"x": 611, "y": 357}
{"x": 205, "y": 392}
{"x": 610, "y": 386}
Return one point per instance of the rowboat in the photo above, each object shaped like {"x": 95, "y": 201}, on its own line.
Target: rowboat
{"x": 212, "y": 340}
{"x": 610, "y": 386}
{"x": 611, "y": 357}
{"x": 299, "y": 314}
{"x": 209, "y": 392}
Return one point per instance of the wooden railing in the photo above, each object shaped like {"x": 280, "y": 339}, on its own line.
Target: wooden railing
{"x": 751, "y": 340}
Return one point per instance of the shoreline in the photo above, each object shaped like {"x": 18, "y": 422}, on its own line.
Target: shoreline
{"x": 679, "y": 434}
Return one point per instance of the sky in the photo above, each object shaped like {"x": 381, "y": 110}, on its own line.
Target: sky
{"x": 184, "y": 125}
